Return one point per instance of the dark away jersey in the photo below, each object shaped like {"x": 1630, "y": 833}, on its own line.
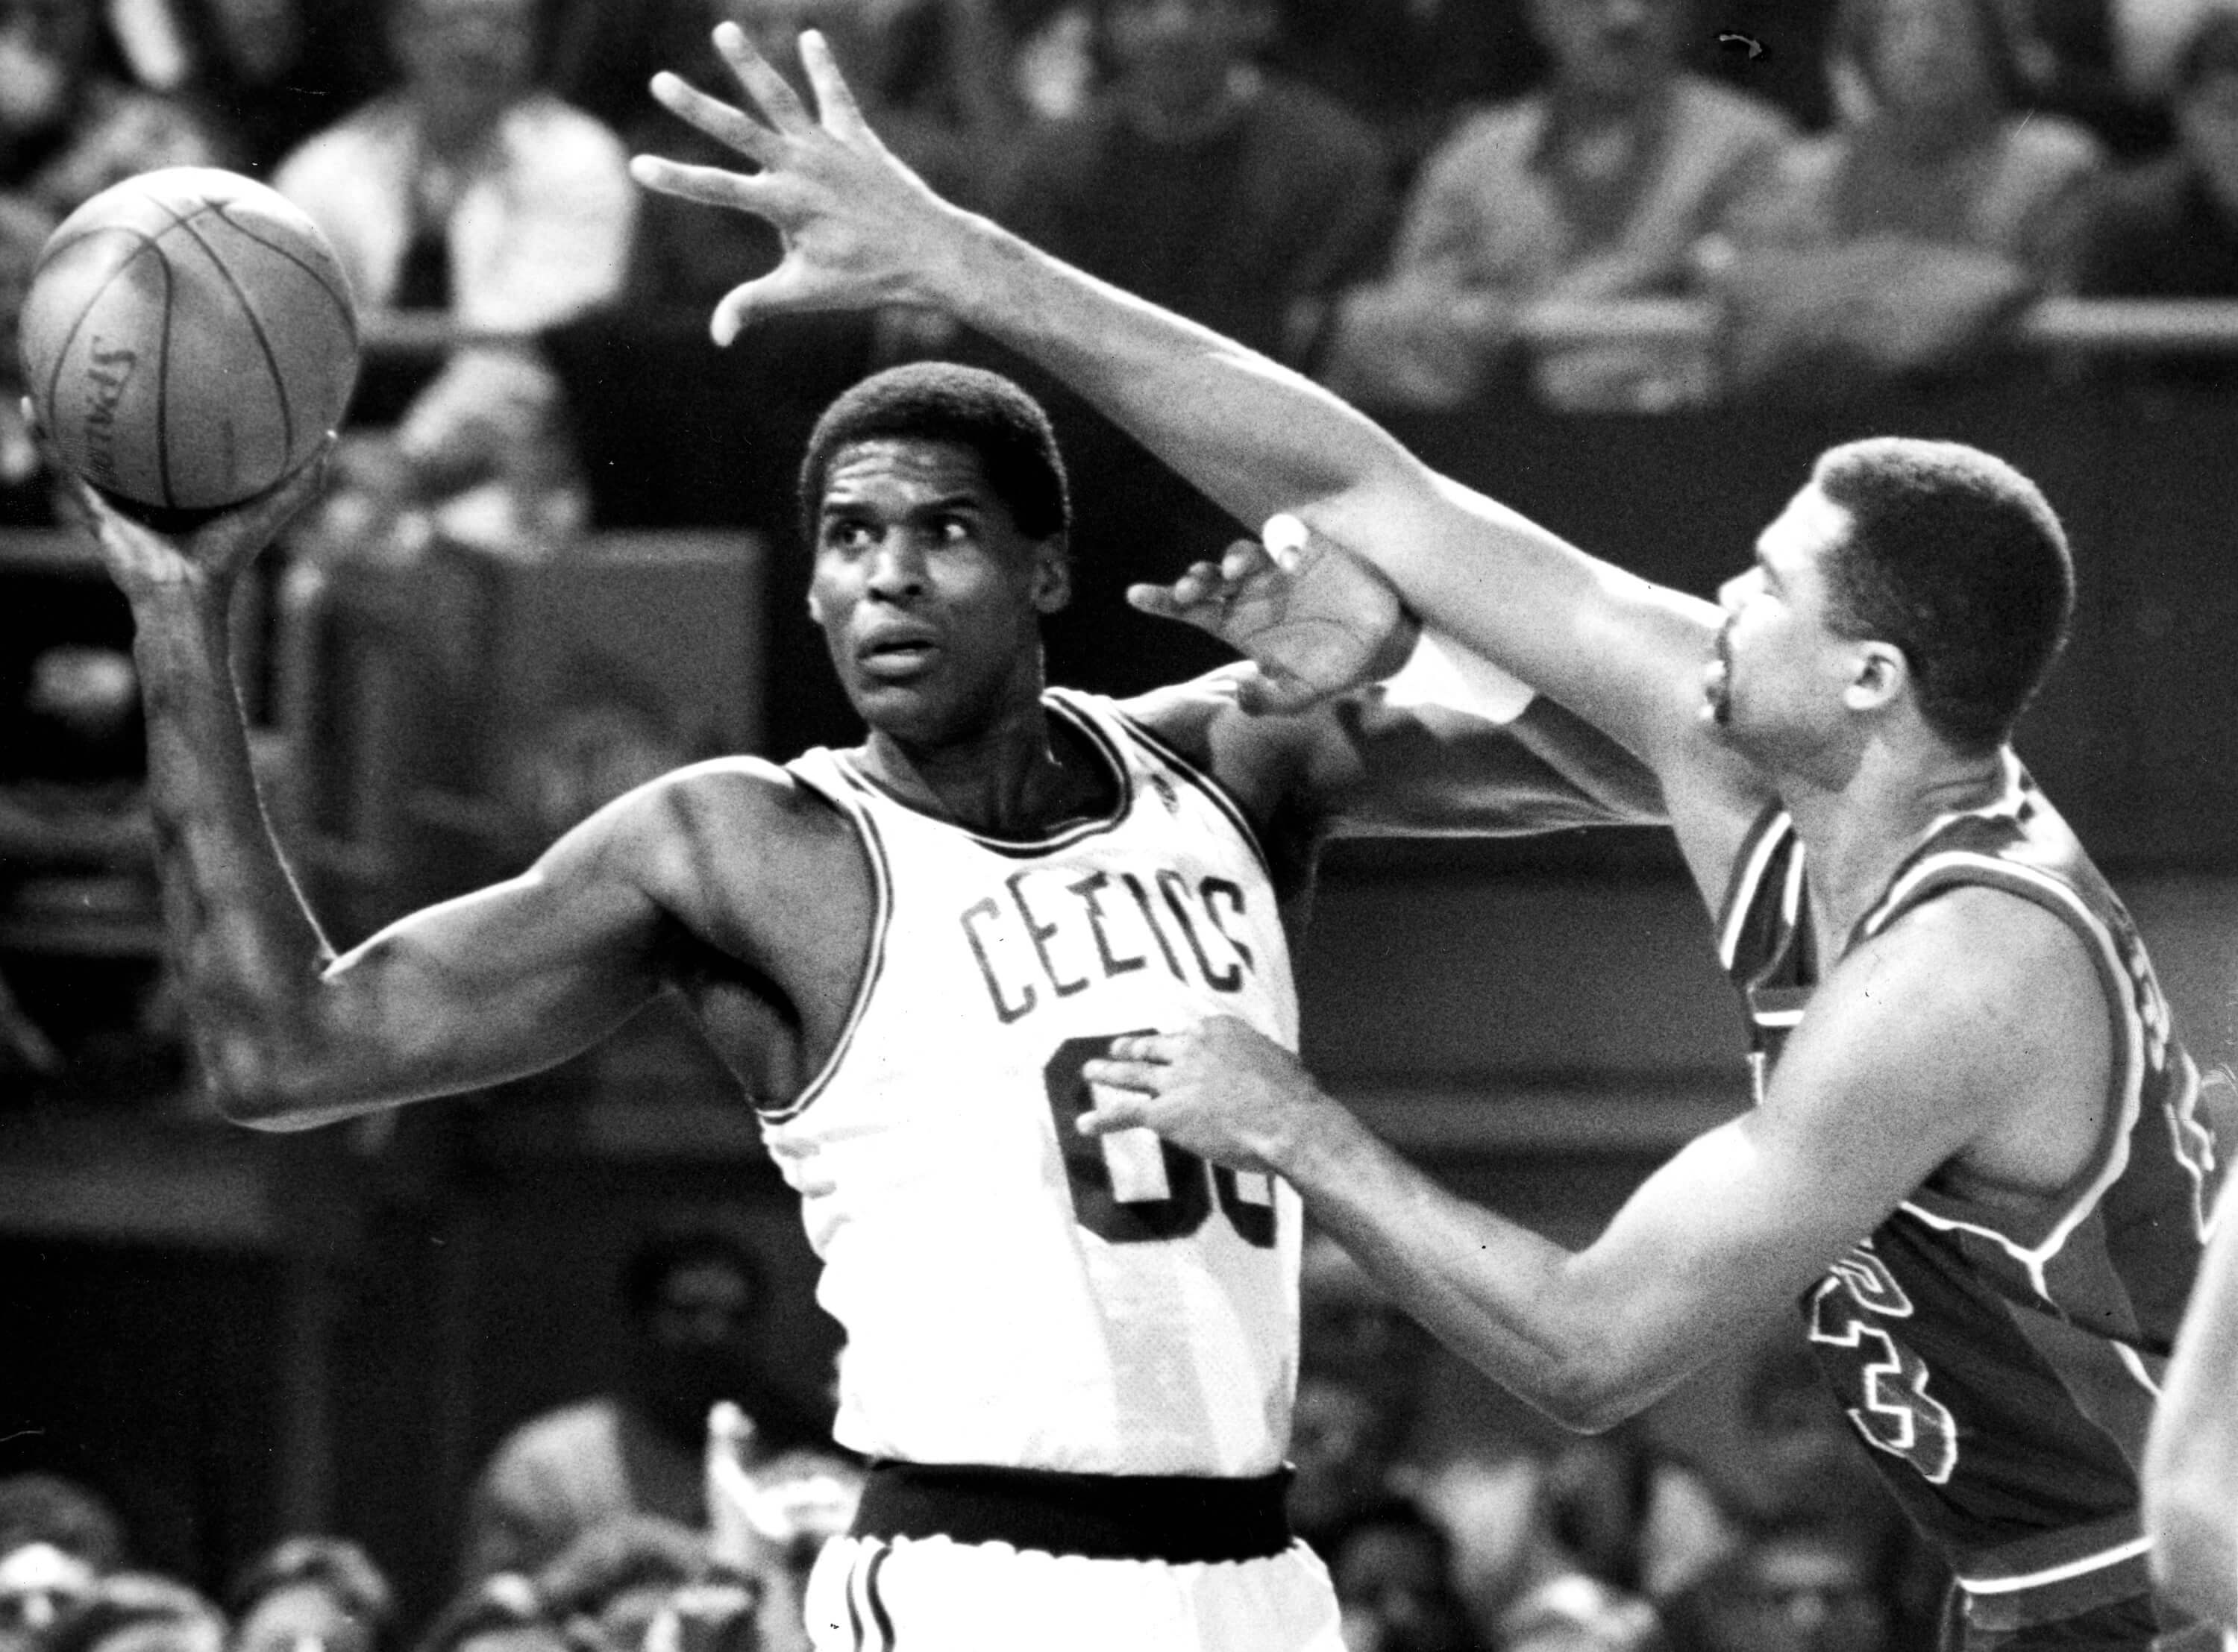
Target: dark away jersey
{"x": 2004, "y": 1372}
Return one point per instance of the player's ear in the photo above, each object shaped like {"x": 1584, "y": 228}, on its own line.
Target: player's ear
{"x": 1881, "y": 674}
{"x": 1052, "y": 574}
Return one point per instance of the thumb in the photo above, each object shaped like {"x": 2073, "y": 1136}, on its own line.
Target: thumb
{"x": 1110, "y": 1110}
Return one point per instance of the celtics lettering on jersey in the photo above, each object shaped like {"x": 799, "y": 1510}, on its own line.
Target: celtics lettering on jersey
{"x": 1013, "y": 1291}
{"x": 1061, "y": 932}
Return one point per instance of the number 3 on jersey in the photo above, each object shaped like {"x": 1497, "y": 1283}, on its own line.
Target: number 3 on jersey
{"x": 1192, "y": 1185}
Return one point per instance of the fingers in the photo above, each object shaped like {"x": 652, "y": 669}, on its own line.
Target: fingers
{"x": 835, "y": 99}
{"x": 733, "y": 310}
{"x": 772, "y": 93}
{"x": 717, "y": 119}
{"x": 711, "y": 186}
{"x": 1246, "y": 559}
{"x": 1285, "y": 537}
{"x": 1155, "y": 600}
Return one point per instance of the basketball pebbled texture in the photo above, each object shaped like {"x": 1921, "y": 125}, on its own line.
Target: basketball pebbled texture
{"x": 189, "y": 338}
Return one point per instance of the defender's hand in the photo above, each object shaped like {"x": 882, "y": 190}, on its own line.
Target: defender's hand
{"x": 1221, "y": 1088}
{"x": 860, "y": 228}
{"x": 1313, "y": 619}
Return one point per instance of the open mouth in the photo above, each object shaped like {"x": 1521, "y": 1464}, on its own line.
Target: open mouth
{"x": 896, "y": 657}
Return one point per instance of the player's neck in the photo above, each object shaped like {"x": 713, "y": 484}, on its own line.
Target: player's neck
{"x": 1020, "y": 776}
{"x": 1857, "y": 834}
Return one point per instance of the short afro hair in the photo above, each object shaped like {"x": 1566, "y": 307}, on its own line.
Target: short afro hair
{"x": 1959, "y": 560}
{"x": 944, "y": 402}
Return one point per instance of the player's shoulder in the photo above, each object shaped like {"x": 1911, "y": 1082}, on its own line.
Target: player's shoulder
{"x": 1978, "y": 955}
{"x": 1253, "y": 757}
{"x": 716, "y": 807}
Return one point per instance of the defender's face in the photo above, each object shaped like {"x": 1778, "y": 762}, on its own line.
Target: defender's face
{"x": 930, "y": 597}
{"x": 1780, "y": 669}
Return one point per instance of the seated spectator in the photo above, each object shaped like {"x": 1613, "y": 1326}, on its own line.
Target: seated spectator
{"x": 138, "y": 1612}
{"x": 1595, "y": 188}
{"x": 2169, "y": 229}
{"x": 1409, "y": 66}
{"x": 1903, "y": 241}
{"x": 1203, "y": 182}
{"x": 70, "y": 122}
{"x": 57, "y": 1540}
{"x": 1533, "y": 1572}
{"x": 1802, "y": 1587}
{"x": 470, "y": 193}
{"x": 1393, "y": 1567}
{"x": 693, "y": 1299}
{"x": 311, "y": 1594}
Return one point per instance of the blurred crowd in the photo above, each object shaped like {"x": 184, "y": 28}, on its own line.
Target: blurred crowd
{"x": 681, "y": 1510}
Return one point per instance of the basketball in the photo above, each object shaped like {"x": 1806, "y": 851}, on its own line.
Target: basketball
{"x": 189, "y": 338}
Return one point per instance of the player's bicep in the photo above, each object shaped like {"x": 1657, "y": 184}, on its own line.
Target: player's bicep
{"x": 500, "y": 982}
{"x": 1883, "y": 1084}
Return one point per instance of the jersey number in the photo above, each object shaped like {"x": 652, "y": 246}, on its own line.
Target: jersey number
{"x": 1192, "y": 1185}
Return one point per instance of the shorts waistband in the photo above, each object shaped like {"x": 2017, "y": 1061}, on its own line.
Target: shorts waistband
{"x": 2035, "y": 1583}
{"x": 1179, "y": 1518}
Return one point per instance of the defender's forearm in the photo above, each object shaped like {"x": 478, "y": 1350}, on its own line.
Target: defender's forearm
{"x": 1256, "y": 436}
{"x": 1507, "y": 1300}
{"x": 245, "y": 947}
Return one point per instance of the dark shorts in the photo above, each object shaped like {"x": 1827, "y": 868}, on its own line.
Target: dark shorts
{"x": 2134, "y": 1624}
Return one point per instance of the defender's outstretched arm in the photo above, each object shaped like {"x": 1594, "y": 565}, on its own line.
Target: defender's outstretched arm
{"x": 861, "y": 230}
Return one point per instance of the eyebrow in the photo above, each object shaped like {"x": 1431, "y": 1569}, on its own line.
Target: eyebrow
{"x": 946, "y": 505}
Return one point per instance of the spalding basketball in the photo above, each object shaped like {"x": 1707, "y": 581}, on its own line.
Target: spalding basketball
{"x": 189, "y": 338}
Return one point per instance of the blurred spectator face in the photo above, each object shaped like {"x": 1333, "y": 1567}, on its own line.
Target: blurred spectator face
{"x": 698, "y": 1344}
{"x": 1392, "y": 1583}
{"x": 465, "y": 61}
{"x": 38, "y": 1582}
{"x": 302, "y": 1617}
{"x": 1798, "y": 1592}
{"x": 1930, "y": 59}
{"x": 1341, "y": 1451}
{"x": 1613, "y": 50}
{"x": 2207, "y": 108}
{"x": 44, "y": 47}
{"x": 1174, "y": 56}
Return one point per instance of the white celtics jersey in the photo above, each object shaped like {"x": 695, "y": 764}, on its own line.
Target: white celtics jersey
{"x": 1014, "y": 1293}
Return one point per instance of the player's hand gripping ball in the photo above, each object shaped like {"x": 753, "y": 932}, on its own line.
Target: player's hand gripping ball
{"x": 188, "y": 341}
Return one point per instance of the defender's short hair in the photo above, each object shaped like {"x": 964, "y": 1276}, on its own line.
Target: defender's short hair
{"x": 945, "y": 402}
{"x": 1959, "y": 560}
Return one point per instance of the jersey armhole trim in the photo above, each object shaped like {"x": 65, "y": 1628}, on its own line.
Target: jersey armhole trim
{"x": 874, "y": 850}
{"x": 1204, "y": 781}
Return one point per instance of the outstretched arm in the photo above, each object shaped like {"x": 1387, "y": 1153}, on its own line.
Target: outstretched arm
{"x": 467, "y": 994}
{"x": 1391, "y": 731}
{"x": 2191, "y": 1456}
{"x": 1888, "y": 1080}
{"x": 861, "y": 230}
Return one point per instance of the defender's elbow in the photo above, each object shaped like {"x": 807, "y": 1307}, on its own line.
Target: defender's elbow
{"x": 1591, "y": 1394}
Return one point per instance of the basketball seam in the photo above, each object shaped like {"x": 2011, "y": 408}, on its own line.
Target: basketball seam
{"x": 77, "y": 323}
{"x": 344, "y": 307}
{"x": 56, "y": 249}
{"x": 256, "y": 328}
